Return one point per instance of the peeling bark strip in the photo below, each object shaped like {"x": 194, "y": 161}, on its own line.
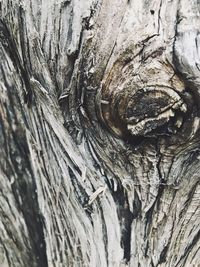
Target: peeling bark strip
{"x": 99, "y": 133}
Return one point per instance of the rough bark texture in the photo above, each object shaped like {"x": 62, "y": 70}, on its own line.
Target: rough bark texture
{"x": 99, "y": 133}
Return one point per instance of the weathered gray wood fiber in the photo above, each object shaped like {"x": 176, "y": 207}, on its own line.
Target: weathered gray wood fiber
{"x": 99, "y": 133}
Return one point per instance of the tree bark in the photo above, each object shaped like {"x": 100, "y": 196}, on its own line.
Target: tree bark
{"x": 99, "y": 133}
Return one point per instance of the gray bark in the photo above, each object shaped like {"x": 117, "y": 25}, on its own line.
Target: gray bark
{"x": 99, "y": 133}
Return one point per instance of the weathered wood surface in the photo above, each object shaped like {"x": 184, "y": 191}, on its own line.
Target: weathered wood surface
{"x": 99, "y": 133}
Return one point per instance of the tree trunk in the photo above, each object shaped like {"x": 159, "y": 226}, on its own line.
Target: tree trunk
{"x": 99, "y": 133}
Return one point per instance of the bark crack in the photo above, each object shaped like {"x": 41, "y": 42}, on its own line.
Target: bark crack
{"x": 126, "y": 218}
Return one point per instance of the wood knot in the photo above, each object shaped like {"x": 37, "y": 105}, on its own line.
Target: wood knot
{"x": 149, "y": 111}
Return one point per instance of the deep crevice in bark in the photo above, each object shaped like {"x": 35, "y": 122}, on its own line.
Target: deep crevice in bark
{"x": 126, "y": 218}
